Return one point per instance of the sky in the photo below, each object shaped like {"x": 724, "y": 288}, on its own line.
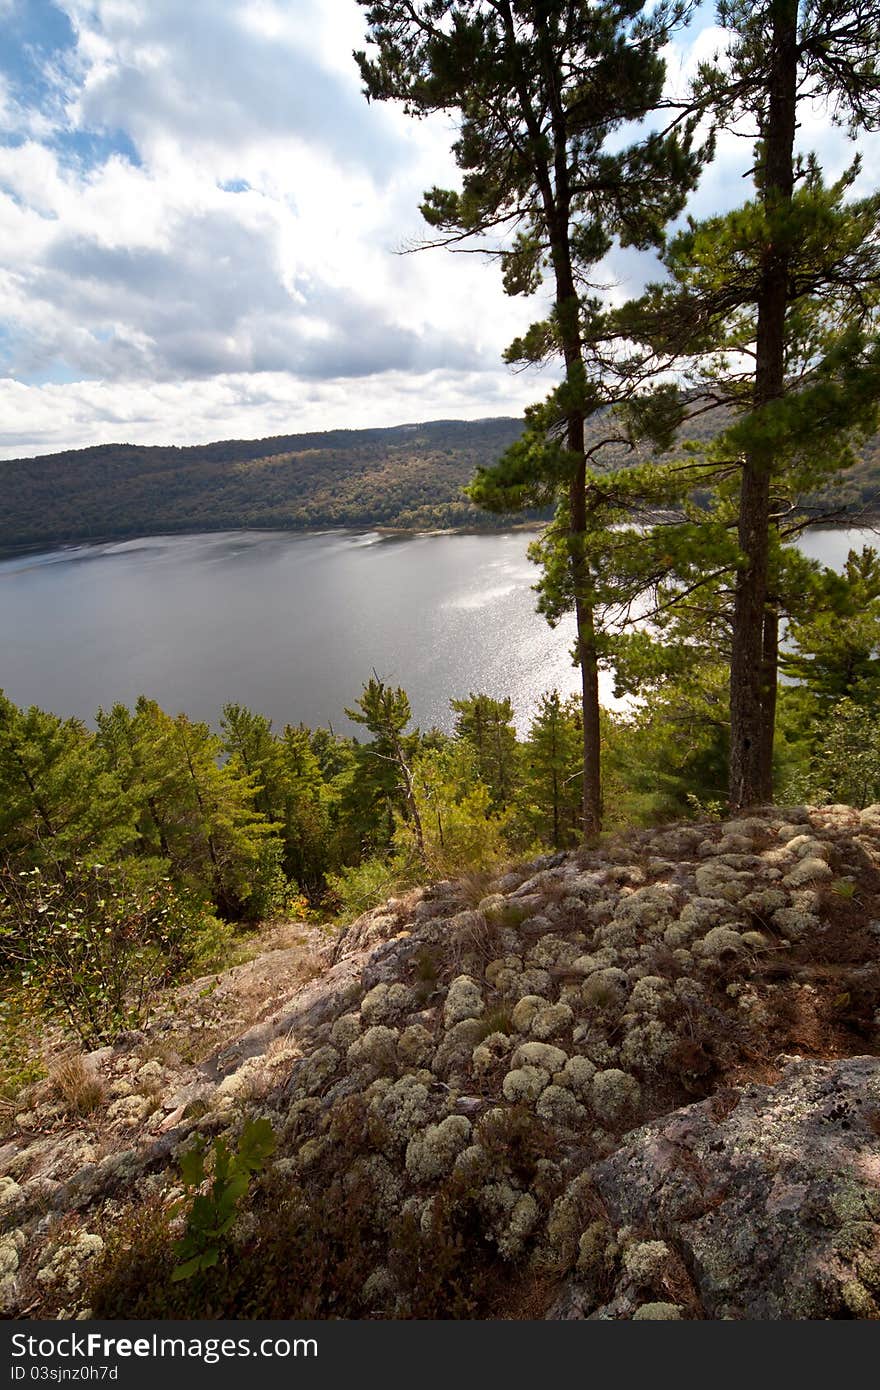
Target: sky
{"x": 203, "y": 227}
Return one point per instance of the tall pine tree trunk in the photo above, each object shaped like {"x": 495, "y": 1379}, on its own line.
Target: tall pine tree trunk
{"x": 770, "y": 668}
{"x": 749, "y": 781}
{"x": 582, "y": 588}
{"x": 753, "y": 656}
{"x": 586, "y": 642}
{"x": 556, "y": 197}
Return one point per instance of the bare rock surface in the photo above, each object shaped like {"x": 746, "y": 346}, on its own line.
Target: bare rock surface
{"x": 770, "y": 1194}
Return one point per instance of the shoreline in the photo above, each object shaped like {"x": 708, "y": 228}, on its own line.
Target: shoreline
{"x": 16, "y": 551}
{"x": 12, "y": 552}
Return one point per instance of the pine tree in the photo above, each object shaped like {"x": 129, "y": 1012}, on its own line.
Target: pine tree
{"x": 487, "y": 725}
{"x": 772, "y": 309}
{"x": 385, "y": 712}
{"x": 542, "y": 87}
{"x": 197, "y": 815}
{"x": 305, "y": 812}
{"x": 548, "y": 802}
{"x": 58, "y": 798}
{"x": 248, "y": 738}
{"x": 834, "y": 642}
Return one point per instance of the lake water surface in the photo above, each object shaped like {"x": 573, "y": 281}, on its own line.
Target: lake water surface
{"x": 291, "y": 625}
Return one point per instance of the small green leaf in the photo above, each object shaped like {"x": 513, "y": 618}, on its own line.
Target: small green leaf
{"x": 186, "y": 1270}
{"x": 256, "y": 1144}
{"x": 192, "y": 1166}
{"x": 229, "y": 1195}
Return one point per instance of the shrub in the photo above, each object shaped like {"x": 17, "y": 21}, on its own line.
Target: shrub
{"x": 363, "y": 886}
{"x": 307, "y": 1253}
{"x": 212, "y": 1213}
{"x": 210, "y": 945}
{"x": 91, "y": 946}
{"x": 269, "y": 892}
{"x": 462, "y": 836}
{"x": 20, "y": 1060}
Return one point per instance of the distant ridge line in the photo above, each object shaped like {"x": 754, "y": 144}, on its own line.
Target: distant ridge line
{"x": 287, "y": 440}
{"x": 409, "y": 476}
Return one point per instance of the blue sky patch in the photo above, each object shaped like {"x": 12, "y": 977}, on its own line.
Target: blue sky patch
{"x": 37, "y": 34}
{"x": 37, "y": 60}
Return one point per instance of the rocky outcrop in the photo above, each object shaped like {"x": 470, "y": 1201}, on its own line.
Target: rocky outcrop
{"x": 768, "y": 1195}
{"x": 591, "y": 1056}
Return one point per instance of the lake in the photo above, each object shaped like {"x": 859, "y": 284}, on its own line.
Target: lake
{"x": 290, "y": 624}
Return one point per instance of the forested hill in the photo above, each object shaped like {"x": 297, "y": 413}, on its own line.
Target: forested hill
{"x": 411, "y": 475}
{"x": 406, "y": 476}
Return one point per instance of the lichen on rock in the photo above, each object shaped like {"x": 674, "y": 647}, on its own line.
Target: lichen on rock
{"x": 524, "y": 1083}
{"x": 386, "y": 1003}
{"x": 431, "y": 1153}
{"x": 375, "y": 1050}
{"x": 464, "y": 1000}
{"x": 467, "y": 1111}
{"x": 551, "y": 1020}
{"x": 614, "y": 1095}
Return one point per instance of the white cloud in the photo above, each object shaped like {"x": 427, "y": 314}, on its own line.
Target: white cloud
{"x": 210, "y": 280}
{"x": 221, "y": 81}
{"x": 43, "y": 419}
{"x": 237, "y": 275}
{"x": 155, "y": 272}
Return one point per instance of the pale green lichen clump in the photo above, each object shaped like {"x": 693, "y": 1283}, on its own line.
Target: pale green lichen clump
{"x": 537, "y": 1054}
{"x": 386, "y": 1003}
{"x": 464, "y": 1000}
{"x": 644, "y": 1260}
{"x": 559, "y": 1108}
{"x": 63, "y": 1266}
{"x": 605, "y": 988}
{"x": 511, "y": 1217}
{"x": 489, "y": 1052}
{"x": 550, "y": 1021}
{"x": 524, "y": 1084}
{"x": 577, "y": 1074}
{"x": 657, "y": 1312}
{"x": 11, "y": 1246}
{"x": 405, "y": 1107}
{"x": 526, "y": 1010}
{"x": 345, "y": 1031}
{"x": 415, "y": 1047}
{"x": 431, "y": 1153}
{"x": 375, "y": 1050}
{"x": 614, "y": 1095}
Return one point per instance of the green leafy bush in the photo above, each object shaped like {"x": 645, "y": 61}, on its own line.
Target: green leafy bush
{"x": 89, "y": 945}
{"x": 212, "y": 1213}
{"x": 360, "y": 887}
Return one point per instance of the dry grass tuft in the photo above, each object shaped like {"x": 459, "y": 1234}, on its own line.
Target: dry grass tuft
{"x": 554, "y": 889}
{"x": 472, "y": 944}
{"x": 309, "y": 966}
{"x": 473, "y": 887}
{"x": 78, "y": 1088}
